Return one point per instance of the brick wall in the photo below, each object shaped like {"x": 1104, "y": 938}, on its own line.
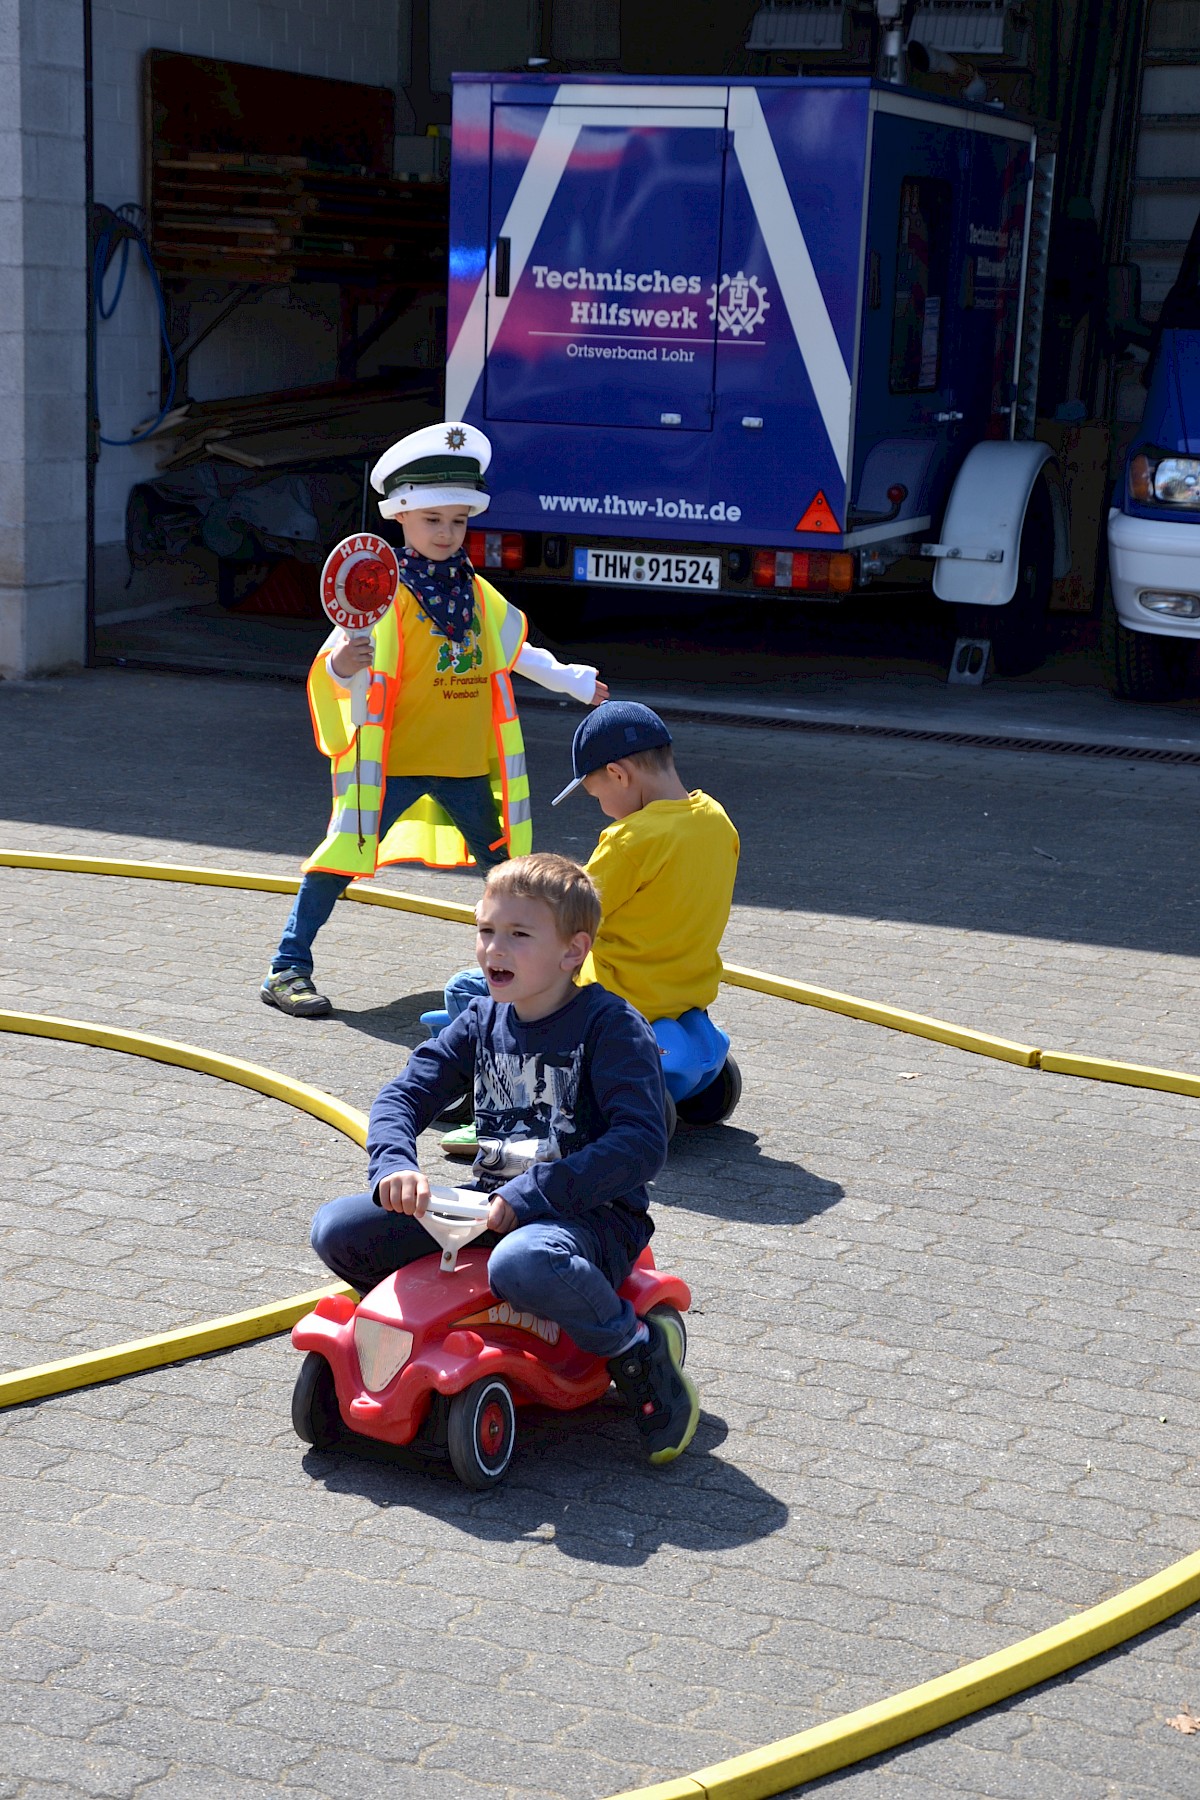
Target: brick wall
{"x": 42, "y": 336}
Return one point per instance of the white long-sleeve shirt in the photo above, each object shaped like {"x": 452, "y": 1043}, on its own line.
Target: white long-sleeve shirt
{"x": 576, "y": 680}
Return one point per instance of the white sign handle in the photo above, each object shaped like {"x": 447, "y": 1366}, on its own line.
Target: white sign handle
{"x": 360, "y": 683}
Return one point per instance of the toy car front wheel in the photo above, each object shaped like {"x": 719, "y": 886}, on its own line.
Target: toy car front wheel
{"x": 315, "y": 1415}
{"x": 671, "y": 1320}
{"x": 670, "y": 1115}
{"x": 481, "y": 1431}
{"x": 716, "y": 1101}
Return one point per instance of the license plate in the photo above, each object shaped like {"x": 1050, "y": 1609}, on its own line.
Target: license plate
{"x": 634, "y": 568}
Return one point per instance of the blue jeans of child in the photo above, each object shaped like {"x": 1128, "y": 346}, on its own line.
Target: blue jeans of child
{"x": 470, "y": 803}
{"x": 461, "y": 989}
{"x": 567, "y": 1270}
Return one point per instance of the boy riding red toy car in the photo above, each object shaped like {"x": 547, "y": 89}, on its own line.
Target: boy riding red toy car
{"x": 431, "y": 1358}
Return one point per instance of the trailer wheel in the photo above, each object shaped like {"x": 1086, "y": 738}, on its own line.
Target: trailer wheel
{"x": 1148, "y": 668}
{"x": 316, "y": 1418}
{"x": 1020, "y": 631}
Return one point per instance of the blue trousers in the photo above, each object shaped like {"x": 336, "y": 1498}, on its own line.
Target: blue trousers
{"x": 567, "y": 1270}
{"x": 464, "y": 987}
{"x": 470, "y": 803}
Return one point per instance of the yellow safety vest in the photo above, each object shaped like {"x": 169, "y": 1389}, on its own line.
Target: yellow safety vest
{"x": 425, "y": 833}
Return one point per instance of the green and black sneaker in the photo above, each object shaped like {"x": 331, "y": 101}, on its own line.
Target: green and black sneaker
{"x": 295, "y": 994}
{"x": 461, "y": 1144}
{"x": 664, "y": 1401}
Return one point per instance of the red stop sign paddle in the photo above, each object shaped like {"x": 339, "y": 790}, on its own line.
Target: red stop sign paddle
{"x": 358, "y": 584}
{"x": 359, "y": 581}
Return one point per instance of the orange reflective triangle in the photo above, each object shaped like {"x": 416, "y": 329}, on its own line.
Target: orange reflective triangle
{"x": 818, "y": 515}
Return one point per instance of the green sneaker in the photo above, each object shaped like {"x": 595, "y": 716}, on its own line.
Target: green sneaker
{"x": 664, "y": 1401}
{"x": 462, "y": 1143}
{"x": 294, "y": 993}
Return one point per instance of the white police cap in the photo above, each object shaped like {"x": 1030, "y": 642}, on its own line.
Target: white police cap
{"x": 440, "y": 465}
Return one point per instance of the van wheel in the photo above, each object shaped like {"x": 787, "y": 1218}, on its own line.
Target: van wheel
{"x": 316, "y": 1418}
{"x": 1020, "y": 631}
{"x": 481, "y": 1431}
{"x": 716, "y": 1101}
{"x": 1148, "y": 668}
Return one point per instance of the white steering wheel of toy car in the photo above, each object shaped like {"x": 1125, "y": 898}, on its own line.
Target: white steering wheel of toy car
{"x": 453, "y": 1218}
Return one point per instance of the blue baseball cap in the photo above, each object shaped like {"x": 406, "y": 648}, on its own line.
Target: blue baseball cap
{"x": 616, "y": 729}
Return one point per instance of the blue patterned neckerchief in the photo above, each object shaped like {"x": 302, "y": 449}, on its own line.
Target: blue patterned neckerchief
{"x": 446, "y": 590}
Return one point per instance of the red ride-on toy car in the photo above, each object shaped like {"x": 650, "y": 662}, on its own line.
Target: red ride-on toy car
{"x": 430, "y": 1357}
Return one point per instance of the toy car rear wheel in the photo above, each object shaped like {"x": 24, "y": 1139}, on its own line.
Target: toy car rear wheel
{"x": 315, "y": 1414}
{"x": 716, "y": 1101}
{"x": 481, "y": 1431}
{"x": 671, "y": 1320}
{"x": 670, "y": 1115}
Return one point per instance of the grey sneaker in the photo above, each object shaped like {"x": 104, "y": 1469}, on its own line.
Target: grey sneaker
{"x": 664, "y": 1401}
{"x": 294, "y": 993}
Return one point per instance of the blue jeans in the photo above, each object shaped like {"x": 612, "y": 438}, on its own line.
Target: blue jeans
{"x": 461, "y": 989}
{"x": 470, "y": 803}
{"x": 567, "y": 1270}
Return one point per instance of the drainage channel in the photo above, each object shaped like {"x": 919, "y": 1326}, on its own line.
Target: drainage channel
{"x": 970, "y": 740}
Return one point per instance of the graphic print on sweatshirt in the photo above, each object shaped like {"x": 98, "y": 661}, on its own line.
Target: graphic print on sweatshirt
{"x": 524, "y": 1111}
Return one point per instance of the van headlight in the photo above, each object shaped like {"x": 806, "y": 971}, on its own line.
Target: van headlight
{"x": 1159, "y": 476}
{"x": 382, "y": 1350}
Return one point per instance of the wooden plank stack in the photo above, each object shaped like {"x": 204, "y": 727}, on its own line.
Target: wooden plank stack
{"x": 333, "y": 420}
{"x": 243, "y": 216}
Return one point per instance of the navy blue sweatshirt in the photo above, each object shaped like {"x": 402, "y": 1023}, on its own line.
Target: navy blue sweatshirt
{"x": 568, "y": 1109}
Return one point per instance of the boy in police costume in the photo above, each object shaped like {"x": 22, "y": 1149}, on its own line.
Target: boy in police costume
{"x": 437, "y": 773}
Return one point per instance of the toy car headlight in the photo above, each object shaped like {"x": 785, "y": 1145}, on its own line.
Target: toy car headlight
{"x": 1155, "y": 475}
{"x": 382, "y": 1350}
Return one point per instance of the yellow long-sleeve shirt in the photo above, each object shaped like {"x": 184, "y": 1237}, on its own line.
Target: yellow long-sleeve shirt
{"x": 665, "y": 876}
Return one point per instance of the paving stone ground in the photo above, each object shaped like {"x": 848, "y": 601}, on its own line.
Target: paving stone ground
{"x": 945, "y": 1326}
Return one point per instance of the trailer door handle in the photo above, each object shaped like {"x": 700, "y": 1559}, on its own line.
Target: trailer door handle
{"x": 503, "y": 255}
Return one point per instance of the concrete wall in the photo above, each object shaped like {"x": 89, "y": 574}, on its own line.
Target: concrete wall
{"x": 42, "y": 336}
{"x": 280, "y": 339}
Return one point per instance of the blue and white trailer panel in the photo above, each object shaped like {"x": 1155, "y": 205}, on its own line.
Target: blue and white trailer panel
{"x": 731, "y": 312}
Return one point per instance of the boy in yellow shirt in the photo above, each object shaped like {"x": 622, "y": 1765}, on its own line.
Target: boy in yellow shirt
{"x": 664, "y": 871}
{"x": 437, "y": 773}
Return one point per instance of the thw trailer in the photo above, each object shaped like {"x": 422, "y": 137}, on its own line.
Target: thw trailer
{"x": 752, "y": 337}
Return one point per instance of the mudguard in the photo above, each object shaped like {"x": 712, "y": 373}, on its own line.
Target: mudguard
{"x": 978, "y": 551}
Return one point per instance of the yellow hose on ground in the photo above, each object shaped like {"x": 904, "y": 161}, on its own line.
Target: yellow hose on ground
{"x": 214, "y": 1334}
{"x": 823, "y": 1748}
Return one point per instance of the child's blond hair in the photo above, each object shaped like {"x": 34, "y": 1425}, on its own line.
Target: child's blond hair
{"x": 562, "y": 885}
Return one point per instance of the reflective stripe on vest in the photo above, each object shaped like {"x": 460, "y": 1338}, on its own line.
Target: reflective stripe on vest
{"x": 512, "y": 634}
{"x": 370, "y": 774}
{"x": 348, "y": 821}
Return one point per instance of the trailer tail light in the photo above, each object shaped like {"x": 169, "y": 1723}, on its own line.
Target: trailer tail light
{"x": 805, "y": 571}
{"x": 495, "y": 549}
{"x": 823, "y": 571}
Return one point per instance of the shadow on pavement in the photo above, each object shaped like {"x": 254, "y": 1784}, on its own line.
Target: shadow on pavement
{"x": 577, "y": 1484}
{"x": 1077, "y": 850}
{"x": 723, "y": 1172}
{"x": 395, "y": 1021}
